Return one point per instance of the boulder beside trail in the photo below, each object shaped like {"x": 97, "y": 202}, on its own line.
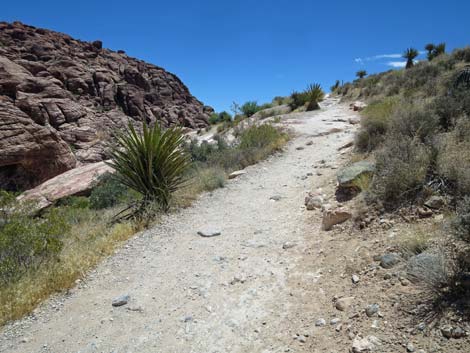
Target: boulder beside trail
{"x": 77, "y": 181}
{"x": 348, "y": 175}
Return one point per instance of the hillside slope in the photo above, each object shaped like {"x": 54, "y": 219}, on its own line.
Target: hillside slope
{"x": 61, "y": 99}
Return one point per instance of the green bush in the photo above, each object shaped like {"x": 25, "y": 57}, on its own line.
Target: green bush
{"x": 153, "y": 163}
{"x": 298, "y": 100}
{"x": 250, "y": 108}
{"x": 374, "y": 124}
{"x": 76, "y": 202}
{"x": 204, "y": 151}
{"x": 402, "y": 166}
{"x": 214, "y": 119}
{"x": 309, "y": 98}
{"x": 107, "y": 192}
{"x": 261, "y": 136}
{"x": 26, "y": 242}
{"x": 220, "y": 117}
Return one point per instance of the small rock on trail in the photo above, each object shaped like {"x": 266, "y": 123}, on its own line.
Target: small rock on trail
{"x": 121, "y": 300}
{"x": 209, "y": 233}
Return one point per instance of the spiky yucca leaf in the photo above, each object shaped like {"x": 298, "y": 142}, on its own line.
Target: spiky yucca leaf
{"x": 410, "y": 54}
{"x": 152, "y": 163}
{"x": 314, "y": 95}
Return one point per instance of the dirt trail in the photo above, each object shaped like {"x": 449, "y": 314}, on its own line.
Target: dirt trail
{"x": 237, "y": 292}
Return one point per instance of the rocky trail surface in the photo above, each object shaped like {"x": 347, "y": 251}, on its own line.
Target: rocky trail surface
{"x": 265, "y": 284}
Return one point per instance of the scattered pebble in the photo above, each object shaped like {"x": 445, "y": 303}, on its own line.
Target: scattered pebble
{"x": 121, "y": 300}
{"x": 372, "y": 309}
{"x": 355, "y": 279}
{"x": 288, "y": 245}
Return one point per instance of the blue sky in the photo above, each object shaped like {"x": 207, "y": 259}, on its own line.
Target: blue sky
{"x": 254, "y": 50}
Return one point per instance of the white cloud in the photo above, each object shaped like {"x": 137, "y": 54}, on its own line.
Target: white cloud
{"x": 377, "y": 57}
{"x": 397, "y": 63}
{"x": 386, "y": 56}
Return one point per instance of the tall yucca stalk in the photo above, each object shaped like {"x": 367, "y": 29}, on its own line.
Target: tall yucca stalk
{"x": 152, "y": 163}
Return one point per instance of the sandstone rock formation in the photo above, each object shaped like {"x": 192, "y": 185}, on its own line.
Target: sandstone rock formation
{"x": 61, "y": 99}
{"x": 77, "y": 181}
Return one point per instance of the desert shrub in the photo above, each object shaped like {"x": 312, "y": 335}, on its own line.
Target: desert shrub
{"x": 211, "y": 178}
{"x": 219, "y": 117}
{"x": 224, "y": 116}
{"x": 26, "y": 242}
{"x": 415, "y": 121}
{"x": 250, "y": 108}
{"x": 214, "y": 118}
{"x": 309, "y": 98}
{"x": 415, "y": 243}
{"x": 298, "y": 100}
{"x": 402, "y": 166}
{"x": 204, "y": 151}
{"x": 278, "y": 100}
{"x": 461, "y": 221}
{"x": 420, "y": 74}
{"x": 107, "y": 192}
{"x": 453, "y": 158}
{"x": 374, "y": 125}
{"x": 462, "y": 54}
{"x": 261, "y": 136}
{"x": 265, "y": 106}
{"x": 152, "y": 163}
{"x": 75, "y": 202}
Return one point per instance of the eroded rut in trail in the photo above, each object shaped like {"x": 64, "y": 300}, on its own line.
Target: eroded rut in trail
{"x": 242, "y": 291}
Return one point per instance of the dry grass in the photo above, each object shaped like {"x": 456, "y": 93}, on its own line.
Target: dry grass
{"x": 363, "y": 182}
{"x": 85, "y": 245}
{"x": 415, "y": 242}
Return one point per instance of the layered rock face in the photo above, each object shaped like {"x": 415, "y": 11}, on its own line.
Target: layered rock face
{"x": 61, "y": 100}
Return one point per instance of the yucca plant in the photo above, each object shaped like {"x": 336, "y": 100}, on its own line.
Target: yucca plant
{"x": 410, "y": 54}
{"x": 152, "y": 163}
{"x": 335, "y": 86}
{"x": 430, "y": 49}
{"x": 314, "y": 95}
{"x": 361, "y": 74}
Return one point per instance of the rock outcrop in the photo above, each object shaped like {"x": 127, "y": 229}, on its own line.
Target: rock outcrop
{"x": 78, "y": 181}
{"x": 61, "y": 99}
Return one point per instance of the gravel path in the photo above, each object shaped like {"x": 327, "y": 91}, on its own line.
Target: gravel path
{"x": 229, "y": 293}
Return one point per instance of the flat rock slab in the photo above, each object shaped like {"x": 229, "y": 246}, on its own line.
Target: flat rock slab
{"x": 75, "y": 181}
{"x": 346, "y": 176}
{"x": 209, "y": 233}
